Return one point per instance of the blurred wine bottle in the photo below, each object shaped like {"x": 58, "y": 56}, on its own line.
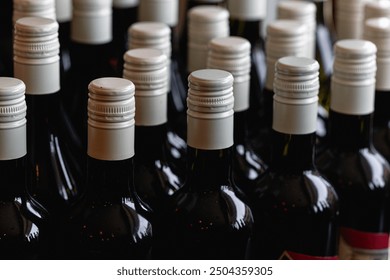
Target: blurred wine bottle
{"x": 232, "y": 54}
{"x": 23, "y": 221}
{"x": 157, "y": 175}
{"x": 360, "y": 174}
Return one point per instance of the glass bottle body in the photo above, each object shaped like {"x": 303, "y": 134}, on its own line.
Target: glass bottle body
{"x": 361, "y": 177}
{"x": 108, "y": 222}
{"x": 296, "y": 210}
{"x": 207, "y": 219}
{"x": 381, "y": 133}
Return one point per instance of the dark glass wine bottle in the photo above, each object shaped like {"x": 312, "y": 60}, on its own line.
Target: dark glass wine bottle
{"x": 22, "y": 219}
{"x": 207, "y": 219}
{"x": 167, "y": 12}
{"x": 232, "y": 54}
{"x": 296, "y": 209}
{"x": 359, "y": 173}
{"x": 246, "y": 20}
{"x": 109, "y": 222}
{"x": 283, "y": 38}
{"x": 124, "y": 14}
{"x": 91, "y": 57}
{"x": 377, "y": 30}
{"x": 157, "y": 176}
{"x": 54, "y": 178}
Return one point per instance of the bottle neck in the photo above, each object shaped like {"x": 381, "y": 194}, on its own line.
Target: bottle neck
{"x": 350, "y": 132}
{"x": 249, "y": 30}
{"x": 320, "y": 18}
{"x": 240, "y": 127}
{"x": 208, "y": 169}
{"x": 44, "y": 107}
{"x": 292, "y": 153}
{"x": 382, "y": 112}
{"x": 110, "y": 180}
{"x": 13, "y": 177}
{"x": 150, "y": 142}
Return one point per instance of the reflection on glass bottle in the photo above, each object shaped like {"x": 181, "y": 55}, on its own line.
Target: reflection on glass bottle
{"x": 296, "y": 209}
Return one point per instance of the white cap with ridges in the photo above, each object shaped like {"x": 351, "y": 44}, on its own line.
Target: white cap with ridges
{"x": 296, "y": 87}
{"x": 353, "y": 79}
{"x": 36, "y": 54}
{"x": 33, "y": 8}
{"x": 111, "y": 110}
{"x": 147, "y": 69}
{"x": 92, "y": 21}
{"x": 13, "y": 109}
{"x": 210, "y": 111}
{"x": 232, "y": 54}
{"x": 166, "y": 11}
{"x": 247, "y": 9}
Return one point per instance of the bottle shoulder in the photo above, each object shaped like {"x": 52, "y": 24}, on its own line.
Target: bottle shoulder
{"x": 211, "y": 209}
{"x": 365, "y": 169}
{"x": 307, "y": 192}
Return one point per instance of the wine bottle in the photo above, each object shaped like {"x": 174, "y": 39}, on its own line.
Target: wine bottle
{"x": 33, "y": 8}
{"x": 359, "y": 173}
{"x": 156, "y": 175}
{"x": 377, "y": 30}
{"x": 54, "y": 174}
{"x": 22, "y": 219}
{"x": 296, "y": 209}
{"x": 109, "y": 222}
{"x": 232, "y": 54}
{"x": 124, "y": 14}
{"x": 206, "y": 218}
{"x": 246, "y": 20}
{"x": 167, "y": 12}
{"x": 283, "y": 38}
{"x": 91, "y": 57}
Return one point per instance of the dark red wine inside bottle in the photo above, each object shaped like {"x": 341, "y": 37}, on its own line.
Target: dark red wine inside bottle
{"x": 206, "y": 219}
{"x": 360, "y": 174}
{"x": 109, "y": 221}
{"x": 23, "y": 222}
{"x": 296, "y": 209}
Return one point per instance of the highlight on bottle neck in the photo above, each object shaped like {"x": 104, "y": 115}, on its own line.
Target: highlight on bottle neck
{"x": 296, "y": 86}
{"x": 232, "y": 54}
{"x": 353, "y": 79}
{"x": 284, "y": 38}
{"x": 247, "y": 10}
{"x": 377, "y": 30}
{"x": 12, "y": 119}
{"x": 210, "y": 111}
{"x": 166, "y": 11}
{"x": 147, "y": 69}
{"x": 376, "y": 9}
{"x": 92, "y": 21}
{"x": 36, "y": 54}
{"x": 33, "y": 8}
{"x": 111, "y": 111}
